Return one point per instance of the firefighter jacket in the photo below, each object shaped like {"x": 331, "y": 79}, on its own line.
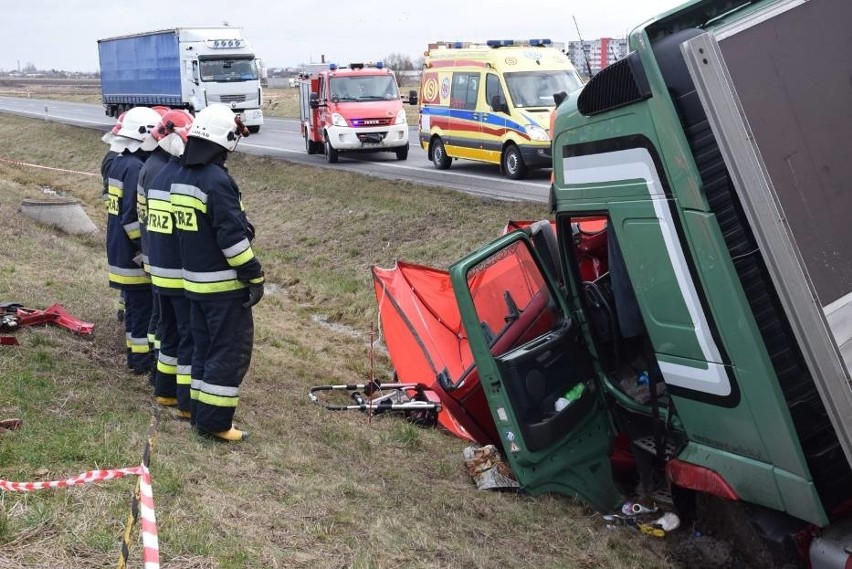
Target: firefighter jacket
{"x": 217, "y": 259}
{"x": 122, "y": 223}
{"x": 106, "y": 164}
{"x": 153, "y": 164}
{"x": 164, "y": 261}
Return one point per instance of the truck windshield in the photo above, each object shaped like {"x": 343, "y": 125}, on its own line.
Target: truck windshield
{"x": 228, "y": 70}
{"x": 536, "y": 88}
{"x": 364, "y": 88}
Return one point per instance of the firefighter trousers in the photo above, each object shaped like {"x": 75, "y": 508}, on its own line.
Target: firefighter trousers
{"x": 223, "y": 336}
{"x": 137, "y": 316}
{"x": 175, "y": 354}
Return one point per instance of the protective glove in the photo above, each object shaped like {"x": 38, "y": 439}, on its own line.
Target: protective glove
{"x": 255, "y": 294}
{"x": 250, "y": 231}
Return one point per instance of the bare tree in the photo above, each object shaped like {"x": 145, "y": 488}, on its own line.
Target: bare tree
{"x": 398, "y": 63}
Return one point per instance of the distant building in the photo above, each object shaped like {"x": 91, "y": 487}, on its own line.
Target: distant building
{"x": 600, "y": 53}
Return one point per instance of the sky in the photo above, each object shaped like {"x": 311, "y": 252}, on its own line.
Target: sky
{"x": 63, "y": 34}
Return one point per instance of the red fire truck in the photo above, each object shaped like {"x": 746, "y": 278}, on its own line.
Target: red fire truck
{"x": 353, "y": 109}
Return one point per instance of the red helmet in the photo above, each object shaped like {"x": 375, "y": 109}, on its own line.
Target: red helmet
{"x": 175, "y": 121}
{"x": 172, "y": 131}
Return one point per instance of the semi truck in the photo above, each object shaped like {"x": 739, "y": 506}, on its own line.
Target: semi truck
{"x": 357, "y": 108}
{"x": 182, "y": 68}
{"x": 693, "y": 303}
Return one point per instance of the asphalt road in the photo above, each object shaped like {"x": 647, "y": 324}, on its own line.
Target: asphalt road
{"x": 281, "y": 138}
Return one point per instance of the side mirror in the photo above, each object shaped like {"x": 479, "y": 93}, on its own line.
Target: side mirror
{"x": 412, "y": 97}
{"x": 314, "y": 101}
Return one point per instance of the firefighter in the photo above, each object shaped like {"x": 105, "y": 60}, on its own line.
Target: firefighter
{"x": 106, "y": 164}
{"x": 133, "y": 142}
{"x": 174, "y": 357}
{"x": 221, "y": 275}
{"x": 155, "y": 161}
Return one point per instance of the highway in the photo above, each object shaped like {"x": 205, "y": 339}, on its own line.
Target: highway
{"x": 280, "y": 138}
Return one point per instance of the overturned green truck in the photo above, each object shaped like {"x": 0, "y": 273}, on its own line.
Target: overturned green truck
{"x": 699, "y": 284}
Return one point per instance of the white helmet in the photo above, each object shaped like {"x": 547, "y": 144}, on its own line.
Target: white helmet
{"x": 137, "y": 126}
{"x": 218, "y": 123}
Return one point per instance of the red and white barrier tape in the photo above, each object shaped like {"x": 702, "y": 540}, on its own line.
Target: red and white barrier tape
{"x": 150, "y": 544}
{"x": 19, "y": 163}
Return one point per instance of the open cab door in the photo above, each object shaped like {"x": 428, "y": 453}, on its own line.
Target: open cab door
{"x": 529, "y": 353}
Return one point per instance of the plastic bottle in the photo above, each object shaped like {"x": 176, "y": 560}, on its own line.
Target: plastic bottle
{"x": 570, "y": 396}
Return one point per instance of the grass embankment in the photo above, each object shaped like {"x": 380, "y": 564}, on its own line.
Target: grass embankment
{"x": 311, "y": 488}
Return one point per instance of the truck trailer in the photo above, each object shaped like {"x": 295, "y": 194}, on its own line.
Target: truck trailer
{"x": 182, "y": 68}
{"x": 697, "y": 285}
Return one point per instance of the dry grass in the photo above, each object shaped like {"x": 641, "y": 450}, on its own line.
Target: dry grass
{"x": 312, "y": 488}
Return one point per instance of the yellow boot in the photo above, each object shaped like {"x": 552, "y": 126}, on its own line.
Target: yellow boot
{"x": 232, "y": 435}
{"x": 167, "y": 401}
{"x": 183, "y": 415}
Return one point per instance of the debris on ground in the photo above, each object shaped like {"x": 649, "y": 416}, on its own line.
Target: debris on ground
{"x": 486, "y": 466}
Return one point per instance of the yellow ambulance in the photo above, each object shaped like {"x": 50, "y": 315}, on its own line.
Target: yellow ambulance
{"x": 491, "y": 102}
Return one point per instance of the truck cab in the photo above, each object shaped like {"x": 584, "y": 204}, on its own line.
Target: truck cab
{"x": 688, "y": 288}
{"x": 354, "y": 109}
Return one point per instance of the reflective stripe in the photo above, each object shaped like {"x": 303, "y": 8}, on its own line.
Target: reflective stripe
{"x": 132, "y": 230}
{"x": 183, "y": 379}
{"x": 216, "y": 400}
{"x": 115, "y": 188}
{"x": 166, "y": 273}
{"x": 166, "y": 282}
{"x": 193, "y": 388}
{"x": 242, "y": 258}
{"x": 190, "y": 202}
{"x": 208, "y": 288}
{"x": 135, "y": 279}
{"x": 159, "y": 196}
{"x": 257, "y": 280}
{"x": 168, "y": 360}
{"x": 237, "y": 248}
{"x": 139, "y": 345}
{"x": 166, "y": 369}
{"x": 184, "y": 370}
{"x": 221, "y": 390}
{"x": 209, "y": 276}
{"x": 188, "y": 190}
{"x": 152, "y": 337}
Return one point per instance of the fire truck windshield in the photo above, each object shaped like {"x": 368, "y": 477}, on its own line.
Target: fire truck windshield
{"x": 228, "y": 70}
{"x": 364, "y": 88}
{"x": 536, "y": 88}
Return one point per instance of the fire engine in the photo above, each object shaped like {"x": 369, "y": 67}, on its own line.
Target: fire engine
{"x": 353, "y": 109}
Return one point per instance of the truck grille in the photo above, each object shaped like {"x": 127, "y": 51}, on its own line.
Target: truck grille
{"x": 382, "y": 121}
{"x": 232, "y": 98}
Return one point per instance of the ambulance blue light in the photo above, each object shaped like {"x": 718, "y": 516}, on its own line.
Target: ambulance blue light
{"x": 379, "y": 65}
{"x": 544, "y": 41}
{"x": 332, "y": 67}
{"x": 493, "y": 43}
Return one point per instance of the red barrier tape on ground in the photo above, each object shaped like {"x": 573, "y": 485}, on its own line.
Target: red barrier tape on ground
{"x": 19, "y": 163}
{"x": 150, "y": 543}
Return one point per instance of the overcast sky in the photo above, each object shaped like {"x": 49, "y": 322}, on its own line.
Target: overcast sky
{"x": 63, "y": 34}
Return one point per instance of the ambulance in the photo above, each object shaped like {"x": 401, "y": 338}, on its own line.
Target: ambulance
{"x": 492, "y": 102}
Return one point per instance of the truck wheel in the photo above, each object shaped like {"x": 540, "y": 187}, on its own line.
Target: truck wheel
{"x": 254, "y": 129}
{"x": 513, "y": 163}
{"x": 439, "y": 155}
{"x": 309, "y": 144}
{"x": 331, "y": 155}
{"x": 402, "y": 152}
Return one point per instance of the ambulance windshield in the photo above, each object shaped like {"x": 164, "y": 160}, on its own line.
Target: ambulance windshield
{"x": 536, "y": 88}
{"x": 364, "y": 88}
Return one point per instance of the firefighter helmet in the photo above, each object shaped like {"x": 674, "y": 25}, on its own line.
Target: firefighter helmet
{"x": 172, "y": 131}
{"x": 110, "y": 136}
{"x": 217, "y": 123}
{"x": 137, "y": 125}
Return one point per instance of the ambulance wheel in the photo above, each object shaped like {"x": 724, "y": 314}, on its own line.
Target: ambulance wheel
{"x": 402, "y": 152}
{"x": 331, "y": 155}
{"x": 513, "y": 163}
{"x": 309, "y": 145}
{"x": 439, "y": 155}
{"x": 254, "y": 129}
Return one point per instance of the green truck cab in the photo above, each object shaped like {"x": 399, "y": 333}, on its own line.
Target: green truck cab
{"x": 699, "y": 280}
